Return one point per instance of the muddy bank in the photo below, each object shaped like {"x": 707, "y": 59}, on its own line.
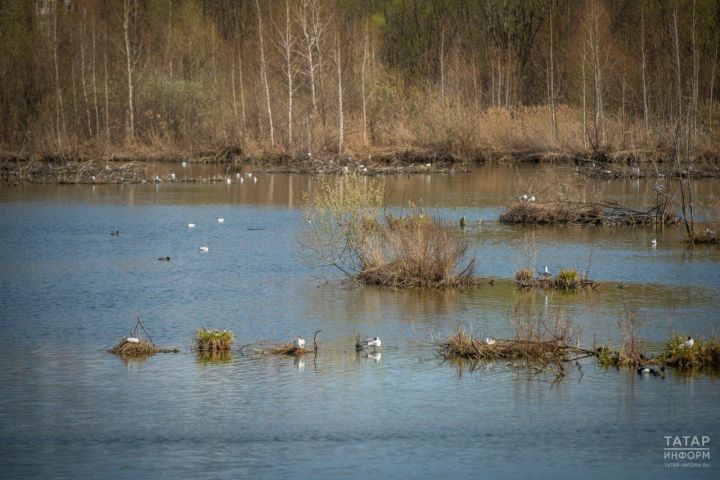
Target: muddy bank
{"x": 133, "y": 167}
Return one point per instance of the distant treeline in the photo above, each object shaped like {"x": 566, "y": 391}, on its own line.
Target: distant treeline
{"x": 356, "y": 75}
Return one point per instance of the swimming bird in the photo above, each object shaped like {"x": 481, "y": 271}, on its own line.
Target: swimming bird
{"x": 531, "y": 199}
{"x": 191, "y": 225}
{"x": 688, "y": 343}
{"x": 164, "y": 259}
{"x": 237, "y": 175}
{"x": 172, "y": 176}
{"x": 248, "y": 175}
{"x": 204, "y": 249}
{"x": 642, "y": 369}
{"x": 158, "y": 179}
{"x": 375, "y": 342}
{"x": 653, "y": 242}
{"x": 299, "y": 342}
{"x": 546, "y": 273}
{"x": 254, "y": 179}
{"x": 428, "y": 165}
{"x": 184, "y": 164}
{"x": 228, "y": 181}
{"x": 133, "y": 340}
{"x": 116, "y": 233}
{"x": 655, "y": 373}
{"x": 490, "y": 341}
{"x": 221, "y": 220}
{"x": 709, "y": 233}
{"x": 523, "y": 198}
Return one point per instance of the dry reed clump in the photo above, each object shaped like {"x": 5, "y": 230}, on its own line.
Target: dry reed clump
{"x": 213, "y": 340}
{"x": 524, "y": 278}
{"x": 415, "y": 251}
{"x": 703, "y": 353}
{"x": 631, "y": 352}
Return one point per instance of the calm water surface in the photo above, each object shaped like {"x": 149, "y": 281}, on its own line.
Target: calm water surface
{"x": 68, "y": 291}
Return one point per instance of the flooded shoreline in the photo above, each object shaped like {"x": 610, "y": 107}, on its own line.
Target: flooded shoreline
{"x": 223, "y": 165}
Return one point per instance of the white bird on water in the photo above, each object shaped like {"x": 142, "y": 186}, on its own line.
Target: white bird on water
{"x": 221, "y": 220}
{"x": 254, "y": 179}
{"x": 191, "y": 225}
{"x": 184, "y": 164}
{"x": 228, "y": 180}
{"x": 204, "y": 249}
{"x": 688, "y": 343}
{"x": 237, "y": 175}
{"x": 653, "y": 242}
{"x": 133, "y": 340}
{"x": 299, "y": 342}
{"x": 490, "y": 341}
{"x": 546, "y": 273}
{"x": 375, "y": 342}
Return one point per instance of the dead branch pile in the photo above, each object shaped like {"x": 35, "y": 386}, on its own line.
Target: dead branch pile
{"x": 553, "y": 350}
{"x": 606, "y": 214}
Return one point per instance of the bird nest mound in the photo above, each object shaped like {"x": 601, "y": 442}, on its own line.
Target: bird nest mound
{"x": 582, "y": 213}
{"x": 566, "y": 281}
{"x": 139, "y": 349}
{"x": 554, "y": 350}
{"x": 288, "y": 349}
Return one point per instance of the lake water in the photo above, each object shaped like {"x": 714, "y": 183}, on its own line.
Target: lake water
{"x": 69, "y": 291}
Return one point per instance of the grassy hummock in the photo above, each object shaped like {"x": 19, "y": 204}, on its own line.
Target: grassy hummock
{"x": 213, "y": 340}
{"x": 703, "y": 353}
{"x": 566, "y": 280}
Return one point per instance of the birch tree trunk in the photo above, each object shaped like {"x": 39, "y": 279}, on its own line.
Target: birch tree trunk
{"x": 341, "y": 123}
{"x": 130, "y": 68}
{"x": 94, "y": 80}
{"x": 676, "y": 43}
{"x": 59, "y": 110}
{"x": 644, "y": 82}
{"x": 362, "y": 75}
{"x": 263, "y": 74}
{"x": 83, "y": 82}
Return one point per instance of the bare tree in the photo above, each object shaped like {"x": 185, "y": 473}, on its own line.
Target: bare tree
{"x": 263, "y": 73}
{"x": 313, "y": 28}
{"x": 366, "y": 53}
{"x": 132, "y": 57}
{"x": 644, "y": 82}
{"x": 83, "y": 82}
{"x": 94, "y": 80}
{"x": 341, "y": 120}
{"x": 59, "y": 110}
{"x": 551, "y": 77}
{"x": 676, "y": 45}
{"x": 287, "y": 48}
